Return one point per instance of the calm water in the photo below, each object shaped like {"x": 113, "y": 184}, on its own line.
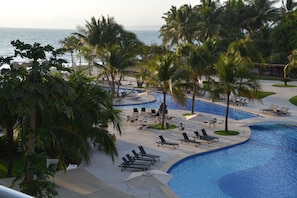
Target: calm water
{"x": 200, "y": 106}
{"x": 53, "y": 37}
{"x": 265, "y": 166}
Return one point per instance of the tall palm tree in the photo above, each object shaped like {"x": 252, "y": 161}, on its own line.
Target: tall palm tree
{"x": 292, "y": 64}
{"x": 197, "y": 60}
{"x": 166, "y": 77}
{"x": 71, "y": 44}
{"x": 210, "y": 14}
{"x": 258, "y": 13}
{"x": 115, "y": 47}
{"x": 230, "y": 72}
{"x": 181, "y": 24}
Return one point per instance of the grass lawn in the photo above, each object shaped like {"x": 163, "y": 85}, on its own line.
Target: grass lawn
{"x": 293, "y": 100}
{"x": 284, "y": 86}
{"x": 229, "y": 133}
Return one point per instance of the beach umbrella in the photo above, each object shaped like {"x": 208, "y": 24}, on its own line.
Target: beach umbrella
{"x": 148, "y": 179}
{"x": 188, "y": 117}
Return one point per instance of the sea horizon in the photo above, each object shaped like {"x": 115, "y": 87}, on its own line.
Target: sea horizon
{"x": 53, "y": 37}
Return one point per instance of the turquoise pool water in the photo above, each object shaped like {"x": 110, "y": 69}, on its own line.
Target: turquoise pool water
{"x": 200, "y": 106}
{"x": 265, "y": 166}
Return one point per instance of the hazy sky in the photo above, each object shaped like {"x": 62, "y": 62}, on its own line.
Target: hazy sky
{"x": 68, "y": 14}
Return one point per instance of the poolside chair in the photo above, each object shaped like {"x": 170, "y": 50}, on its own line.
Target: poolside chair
{"x": 126, "y": 164}
{"x": 143, "y": 158}
{"x": 212, "y": 137}
{"x": 186, "y": 139}
{"x": 208, "y": 139}
{"x": 134, "y": 161}
{"x": 271, "y": 108}
{"x": 144, "y": 153}
{"x": 164, "y": 142}
{"x": 143, "y": 111}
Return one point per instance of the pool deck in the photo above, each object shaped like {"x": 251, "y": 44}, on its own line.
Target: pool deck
{"x": 104, "y": 179}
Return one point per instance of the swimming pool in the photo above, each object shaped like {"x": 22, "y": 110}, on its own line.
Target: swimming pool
{"x": 200, "y": 106}
{"x": 265, "y": 166}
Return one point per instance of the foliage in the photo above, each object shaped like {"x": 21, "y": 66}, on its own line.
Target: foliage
{"x": 41, "y": 185}
{"x": 4, "y": 146}
{"x": 159, "y": 126}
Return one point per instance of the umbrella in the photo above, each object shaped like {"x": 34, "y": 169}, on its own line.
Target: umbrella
{"x": 188, "y": 117}
{"x": 148, "y": 179}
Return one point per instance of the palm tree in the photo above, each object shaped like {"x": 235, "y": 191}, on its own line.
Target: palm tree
{"x": 166, "y": 77}
{"x": 209, "y": 22}
{"x": 230, "y": 73}
{"x": 292, "y": 64}
{"x": 116, "y": 48}
{"x": 70, "y": 44}
{"x": 197, "y": 60}
{"x": 258, "y": 13}
{"x": 180, "y": 26}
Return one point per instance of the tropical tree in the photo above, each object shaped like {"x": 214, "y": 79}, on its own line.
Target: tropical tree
{"x": 235, "y": 73}
{"x": 181, "y": 24}
{"x": 197, "y": 60}
{"x": 209, "y": 22}
{"x": 115, "y": 47}
{"x": 71, "y": 44}
{"x": 230, "y": 73}
{"x": 166, "y": 76}
{"x": 292, "y": 64}
{"x": 9, "y": 80}
{"x": 258, "y": 13}
{"x": 53, "y": 112}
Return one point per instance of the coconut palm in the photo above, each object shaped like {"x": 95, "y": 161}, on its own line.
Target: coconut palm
{"x": 197, "y": 60}
{"x": 210, "y": 13}
{"x": 230, "y": 72}
{"x": 165, "y": 76}
{"x": 292, "y": 64}
{"x": 181, "y": 24}
{"x": 71, "y": 44}
{"x": 258, "y": 13}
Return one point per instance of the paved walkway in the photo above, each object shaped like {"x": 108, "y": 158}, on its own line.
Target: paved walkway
{"x": 103, "y": 178}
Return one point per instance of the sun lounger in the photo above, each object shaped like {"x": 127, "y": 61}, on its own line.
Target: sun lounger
{"x": 144, "y": 153}
{"x": 186, "y": 139}
{"x": 212, "y": 137}
{"x": 208, "y": 139}
{"x": 164, "y": 142}
{"x": 270, "y": 109}
{"x": 282, "y": 111}
{"x": 139, "y": 157}
{"x": 126, "y": 164}
{"x": 134, "y": 161}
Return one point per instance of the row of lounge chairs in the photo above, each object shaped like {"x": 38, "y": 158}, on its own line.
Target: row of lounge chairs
{"x": 140, "y": 161}
{"x": 273, "y": 109}
{"x": 186, "y": 139}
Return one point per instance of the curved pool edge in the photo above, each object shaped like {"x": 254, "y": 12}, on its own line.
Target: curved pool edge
{"x": 167, "y": 165}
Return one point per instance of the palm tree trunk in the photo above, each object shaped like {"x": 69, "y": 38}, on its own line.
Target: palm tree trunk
{"x": 9, "y": 130}
{"x": 227, "y": 113}
{"x": 193, "y": 99}
{"x": 163, "y": 110}
{"x": 29, "y": 176}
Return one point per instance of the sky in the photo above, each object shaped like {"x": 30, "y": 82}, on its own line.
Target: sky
{"x": 69, "y": 14}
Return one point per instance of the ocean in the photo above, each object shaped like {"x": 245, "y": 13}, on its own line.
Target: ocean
{"x": 54, "y": 36}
